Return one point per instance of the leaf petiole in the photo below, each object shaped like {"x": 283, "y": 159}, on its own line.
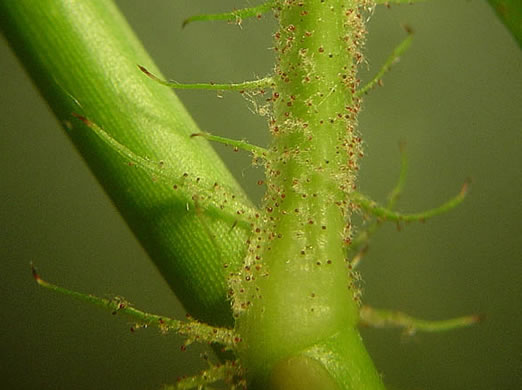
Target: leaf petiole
{"x": 254, "y": 84}
{"x": 192, "y": 329}
{"x": 237, "y": 16}
{"x": 379, "y": 318}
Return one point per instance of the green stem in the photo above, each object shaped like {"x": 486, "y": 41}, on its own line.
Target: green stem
{"x": 83, "y": 57}
{"x": 297, "y": 255}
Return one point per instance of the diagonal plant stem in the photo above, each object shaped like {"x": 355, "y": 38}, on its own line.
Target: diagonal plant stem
{"x": 83, "y": 57}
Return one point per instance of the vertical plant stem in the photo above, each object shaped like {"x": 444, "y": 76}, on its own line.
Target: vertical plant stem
{"x": 303, "y": 285}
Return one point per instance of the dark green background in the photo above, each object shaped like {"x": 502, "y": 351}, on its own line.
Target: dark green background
{"x": 455, "y": 99}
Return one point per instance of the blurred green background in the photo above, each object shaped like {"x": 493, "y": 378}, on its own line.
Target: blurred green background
{"x": 455, "y": 99}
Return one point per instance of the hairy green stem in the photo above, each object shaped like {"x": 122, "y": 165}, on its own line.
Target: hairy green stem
{"x": 296, "y": 272}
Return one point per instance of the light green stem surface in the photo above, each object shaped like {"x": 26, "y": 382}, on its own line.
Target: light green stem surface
{"x": 297, "y": 301}
{"x": 84, "y": 59}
